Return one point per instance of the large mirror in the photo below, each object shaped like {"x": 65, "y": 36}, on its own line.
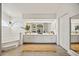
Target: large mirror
{"x": 40, "y": 28}
{"x": 74, "y": 42}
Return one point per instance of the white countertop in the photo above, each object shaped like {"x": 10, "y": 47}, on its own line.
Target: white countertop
{"x": 39, "y": 34}
{"x": 74, "y": 33}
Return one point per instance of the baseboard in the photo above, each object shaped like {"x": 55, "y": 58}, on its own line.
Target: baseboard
{"x": 36, "y": 43}
{"x": 8, "y": 48}
{"x": 74, "y": 42}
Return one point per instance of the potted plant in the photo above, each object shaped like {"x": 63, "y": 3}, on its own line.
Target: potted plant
{"x": 27, "y": 27}
{"x": 77, "y": 28}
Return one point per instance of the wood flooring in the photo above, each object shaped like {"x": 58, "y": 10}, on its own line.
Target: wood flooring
{"x": 75, "y": 47}
{"x": 39, "y": 48}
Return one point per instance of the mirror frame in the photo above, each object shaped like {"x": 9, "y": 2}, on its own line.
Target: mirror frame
{"x": 70, "y": 33}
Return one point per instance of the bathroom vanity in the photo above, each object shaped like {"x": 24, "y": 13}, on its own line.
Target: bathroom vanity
{"x": 40, "y": 38}
{"x": 74, "y": 37}
{"x": 40, "y": 32}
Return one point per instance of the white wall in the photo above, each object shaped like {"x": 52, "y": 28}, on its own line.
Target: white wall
{"x": 0, "y": 29}
{"x": 64, "y": 32}
{"x": 10, "y": 34}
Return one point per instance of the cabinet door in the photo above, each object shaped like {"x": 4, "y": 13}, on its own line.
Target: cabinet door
{"x": 27, "y": 38}
{"x": 53, "y": 39}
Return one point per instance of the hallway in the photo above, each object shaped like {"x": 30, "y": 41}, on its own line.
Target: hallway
{"x": 36, "y": 50}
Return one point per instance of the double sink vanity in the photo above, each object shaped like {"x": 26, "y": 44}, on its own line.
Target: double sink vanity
{"x": 39, "y": 38}
{"x": 40, "y": 32}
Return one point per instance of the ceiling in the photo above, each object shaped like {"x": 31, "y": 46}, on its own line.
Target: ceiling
{"x": 75, "y": 17}
{"x": 33, "y": 10}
